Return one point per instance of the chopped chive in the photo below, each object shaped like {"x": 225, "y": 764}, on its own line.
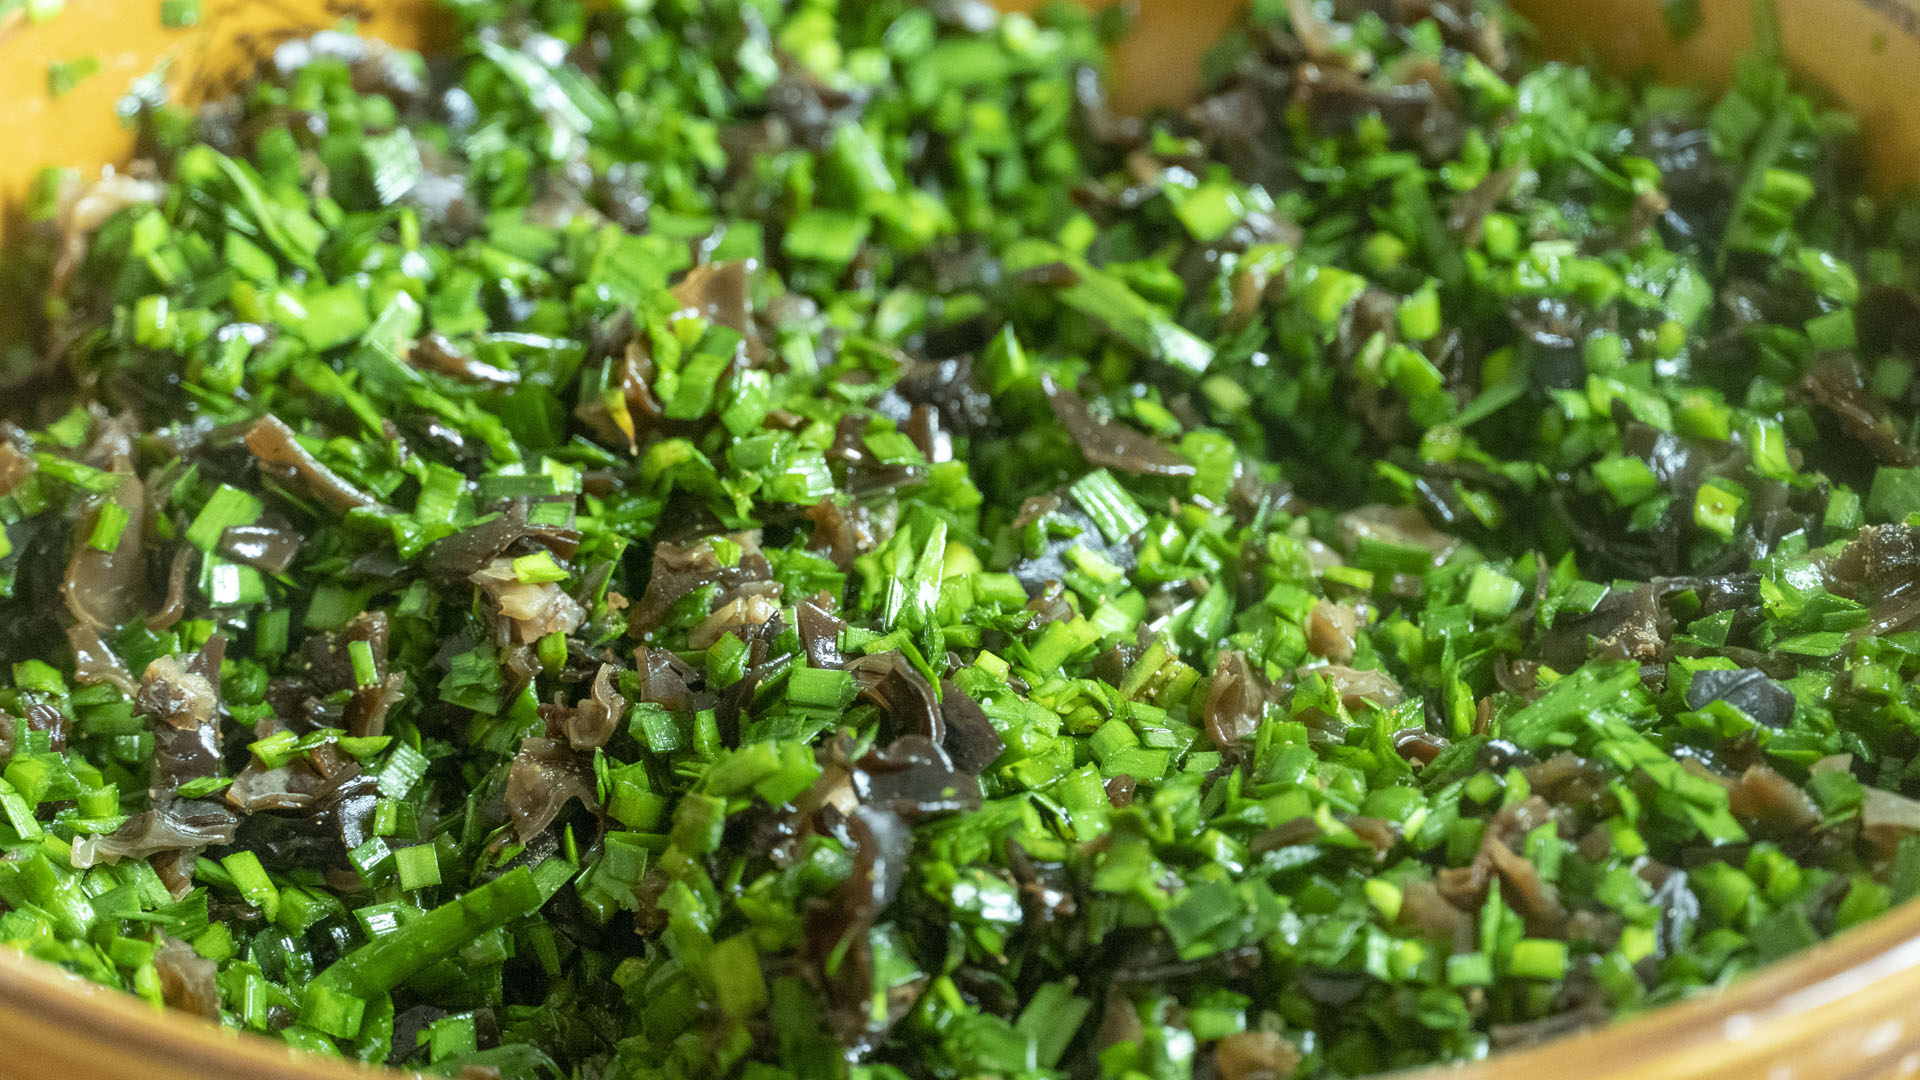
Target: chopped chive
{"x": 538, "y": 568}
{"x": 365, "y": 671}
{"x": 418, "y": 866}
{"x": 108, "y": 526}
{"x": 64, "y": 75}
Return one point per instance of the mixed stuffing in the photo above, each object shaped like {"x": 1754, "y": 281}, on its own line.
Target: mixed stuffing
{"x": 786, "y": 539}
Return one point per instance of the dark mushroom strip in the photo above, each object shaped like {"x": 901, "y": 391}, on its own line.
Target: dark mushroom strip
{"x": 277, "y": 449}
{"x": 545, "y": 776}
{"x": 1110, "y": 445}
{"x": 270, "y": 547}
{"x": 810, "y": 516}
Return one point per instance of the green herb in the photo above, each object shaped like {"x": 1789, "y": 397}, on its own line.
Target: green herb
{"x": 1683, "y": 18}
{"x": 64, "y": 75}
{"x": 176, "y": 14}
{"x": 784, "y": 541}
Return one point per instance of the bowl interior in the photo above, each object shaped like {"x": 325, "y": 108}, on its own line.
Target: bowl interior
{"x": 1836, "y": 1011}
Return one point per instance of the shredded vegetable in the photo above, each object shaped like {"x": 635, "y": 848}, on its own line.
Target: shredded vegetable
{"x": 788, "y": 540}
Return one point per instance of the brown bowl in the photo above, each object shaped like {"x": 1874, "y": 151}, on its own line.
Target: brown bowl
{"x": 1848, "y": 1009}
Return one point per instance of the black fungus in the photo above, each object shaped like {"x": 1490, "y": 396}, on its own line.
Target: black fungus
{"x": 1746, "y": 689}
{"x": 545, "y": 775}
{"x": 836, "y": 937}
{"x": 680, "y": 569}
{"x": 914, "y": 779}
{"x": 506, "y": 532}
{"x": 1235, "y": 704}
{"x": 275, "y": 446}
{"x": 1112, "y": 445}
{"x": 890, "y": 681}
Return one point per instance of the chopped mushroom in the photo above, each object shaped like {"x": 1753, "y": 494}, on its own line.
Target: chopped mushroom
{"x": 1236, "y": 702}
{"x": 187, "y": 980}
{"x": 1112, "y": 445}
{"x": 790, "y": 539}
{"x": 84, "y": 208}
{"x": 280, "y": 454}
{"x": 532, "y": 609}
{"x": 1330, "y": 631}
{"x": 545, "y": 776}
{"x": 103, "y": 589}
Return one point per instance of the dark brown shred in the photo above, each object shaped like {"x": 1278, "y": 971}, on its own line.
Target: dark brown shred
{"x": 1566, "y": 779}
{"x": 946, "y": 387}
{"x": 820, "y": 632}
{"x": 837, "y": 945}
{"x": 1361, "y": 687}
{"x": 187, "y": 980}
{"x": 1881, "y": 563}
{"x": 1401, "y": 526}
{"x": 1300, "y": 830}
{"x": 176, "y": 696}
{"x": 15, "y": 466}
{"x": 104, "y": 589}
{"x": 669, "y": 681}
{"x": 741, "y": 612}
{"x": 269, "y": 546}
{"x": 1111, "y": 445}
{"x": 366, "y": 711}
{"x": 436, "y": 353}
{"x": 317, "y": 836}
{"x": 1467, "y": 219}
{"x": 1764, "y": 796}
{"x": 282, "y": 457}
{"x": 1417, "y": 103}
{"x": 1050, "y": 605}
{"x": 42, "y": 716}
{"x": 1746, "y": 689}
{"x": 862, "y": 474}
{"x": 717, "y": 292}
{"x": 1425, "y": 911}
{"x": 592, "y": 722}
{"x": 175, "y": 606}
{"x": 94, "y": 662}
{"x": 182, "y": 704}
{"x": 844, "y": 533}
{"x": 680, "y": 569}
{"x": 971, "y": 740}
{"x": 1418, "y": 745}
{"x": 1835, "y": 384}
{"x": 890, "y": 681}
{"x": 1046, "y": 890}
{"x": 184, "y": 825}
{"x": 526, "y": 611}
{"x": 544, "y": 776}
{"x": 1064, "y": 525}
{"x": 914, "y": 779}
{"x": 297, "y": 785}
{"x": 469, "y": 551}
{"x": 1536, "y": 899}
{"x": 1380, "y": 834}
{"x": 1236, "y": 702}
{"x": 1330, "y": 631}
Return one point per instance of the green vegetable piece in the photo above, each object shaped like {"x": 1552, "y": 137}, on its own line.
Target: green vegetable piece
{"x": 390, "y": 959}
{"x": 1111, "y": 303}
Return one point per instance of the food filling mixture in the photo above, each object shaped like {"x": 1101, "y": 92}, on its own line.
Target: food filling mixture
{"x": 731, "y": 538}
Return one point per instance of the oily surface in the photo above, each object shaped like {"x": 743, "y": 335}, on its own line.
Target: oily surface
{"x": 796, "y": 542}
